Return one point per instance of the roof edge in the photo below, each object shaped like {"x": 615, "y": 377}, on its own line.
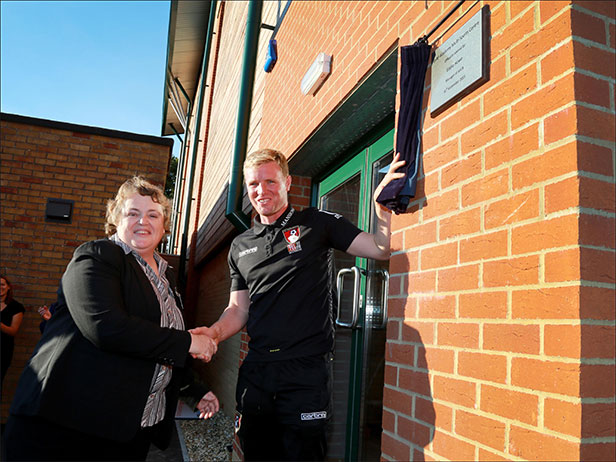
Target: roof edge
{"x": 86, "y": 129}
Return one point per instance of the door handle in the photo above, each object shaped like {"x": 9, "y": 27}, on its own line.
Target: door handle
{"x": 356, "y": 294}
{"x": 385, "y": 275}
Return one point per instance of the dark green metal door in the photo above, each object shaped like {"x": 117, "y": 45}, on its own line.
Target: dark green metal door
{"x": 356, "y": 423}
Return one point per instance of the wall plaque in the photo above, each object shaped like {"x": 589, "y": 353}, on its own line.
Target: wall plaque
{"x": 461, "y": 63}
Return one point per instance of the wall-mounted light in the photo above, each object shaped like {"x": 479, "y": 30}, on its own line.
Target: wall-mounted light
{"x": 317, "y": 73}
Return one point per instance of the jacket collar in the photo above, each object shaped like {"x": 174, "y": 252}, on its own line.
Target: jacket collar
{"x": 259, "y": 228}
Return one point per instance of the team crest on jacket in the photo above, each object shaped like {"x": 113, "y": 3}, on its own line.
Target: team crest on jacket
{"x": 292, "y": 236}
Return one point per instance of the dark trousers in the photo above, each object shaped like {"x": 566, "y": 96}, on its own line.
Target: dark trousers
{"x": 36, "y": 439}
{"x": 284, "y": 408}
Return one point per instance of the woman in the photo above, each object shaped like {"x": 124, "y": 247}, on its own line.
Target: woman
{"x": 12, "y": 315}
{"x": 103, "y": 381}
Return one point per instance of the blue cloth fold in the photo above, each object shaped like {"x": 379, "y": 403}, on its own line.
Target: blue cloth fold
{"x": 414, "y": 63}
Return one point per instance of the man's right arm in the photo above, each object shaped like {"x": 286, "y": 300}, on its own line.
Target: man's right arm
{"x": 232, "y": 320}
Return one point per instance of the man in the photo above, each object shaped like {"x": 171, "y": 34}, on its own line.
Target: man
{"x": 281, "y": 289}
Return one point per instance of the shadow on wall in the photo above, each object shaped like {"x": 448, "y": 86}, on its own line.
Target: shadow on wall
{"x": 424, "y": 415}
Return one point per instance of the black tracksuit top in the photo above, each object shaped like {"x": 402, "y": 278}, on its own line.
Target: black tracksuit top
{"x": 288, "y": 269}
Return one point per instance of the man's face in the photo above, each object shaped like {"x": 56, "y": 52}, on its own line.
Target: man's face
{"x": 267, "y": 190}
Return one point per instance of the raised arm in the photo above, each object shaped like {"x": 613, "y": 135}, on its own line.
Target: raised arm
{"x": 377, "y": 245}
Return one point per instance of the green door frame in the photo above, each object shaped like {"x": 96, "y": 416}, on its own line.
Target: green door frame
{"x": 361, "y": 163}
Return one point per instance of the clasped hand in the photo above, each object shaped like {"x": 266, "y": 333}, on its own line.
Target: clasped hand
{"x": 202, "y": 346}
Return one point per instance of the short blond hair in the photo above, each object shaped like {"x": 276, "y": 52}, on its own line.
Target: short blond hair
{"x": 140, "y": 185}
{"x": 263, "y": 156}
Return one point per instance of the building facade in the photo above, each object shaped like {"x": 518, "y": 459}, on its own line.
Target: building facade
{"x": 50, "y": 166}
{"x": 490, "y": 332}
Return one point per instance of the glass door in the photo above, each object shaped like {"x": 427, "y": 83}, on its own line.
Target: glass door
{"x": 356, "y": 422}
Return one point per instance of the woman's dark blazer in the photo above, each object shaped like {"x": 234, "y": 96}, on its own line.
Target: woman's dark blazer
{"x": 92, "y": 369}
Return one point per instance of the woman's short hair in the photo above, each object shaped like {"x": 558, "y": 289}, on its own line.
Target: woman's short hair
{"x": 140, "y": 185}
{"x": 9, "y": 293}
{"x": 263, "y": 156}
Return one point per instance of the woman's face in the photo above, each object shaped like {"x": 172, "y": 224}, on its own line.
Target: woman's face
{"x": 141, "y": 224}
{"x": 4, "y": 287}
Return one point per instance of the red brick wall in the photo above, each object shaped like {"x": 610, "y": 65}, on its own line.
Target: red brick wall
{"x": 78, "y": 163}
{"x": 502, "y": 273}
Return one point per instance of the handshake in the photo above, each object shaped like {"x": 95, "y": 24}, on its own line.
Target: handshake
{"x": 203, "y": 344}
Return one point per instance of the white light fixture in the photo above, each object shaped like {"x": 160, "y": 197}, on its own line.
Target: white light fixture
{"x": 316, "y": 75}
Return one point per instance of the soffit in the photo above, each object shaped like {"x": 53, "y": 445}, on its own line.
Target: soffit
{"x": 186, "y": 40}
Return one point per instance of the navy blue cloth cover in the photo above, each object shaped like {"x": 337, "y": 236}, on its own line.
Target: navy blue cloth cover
{"x": 414, "y": 63}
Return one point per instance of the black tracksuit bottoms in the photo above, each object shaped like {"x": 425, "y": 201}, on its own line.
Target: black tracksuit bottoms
{"x": 284, "y": 407}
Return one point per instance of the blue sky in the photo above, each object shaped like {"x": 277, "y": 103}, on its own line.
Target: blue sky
{"x": 91, "y": 63}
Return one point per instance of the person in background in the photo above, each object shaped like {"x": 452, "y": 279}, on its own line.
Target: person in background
{"x": 12, "y": 316}
{"x": 104, "y": 380}
{"x": 281, "y": 290}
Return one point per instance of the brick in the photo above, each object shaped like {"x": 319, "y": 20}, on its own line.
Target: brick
{"x": 557, "y": 62}
{"x": 439, "y": 256}
{"x": 462, "y": 335}
{"x": 562, "y": 341}
{"x": 592, "y": 90}
{"x": 518, "y": 208}
{"x": 458, "y": 122}
{"x": 389, "y": 421}
{"x": 547, "y": 303}
{"x": 580, "y": 263}
{"x": 485, "y": 188}
{"x": 515, "y": 338}
{"x": 394, "y": 448}
{"x": 511, "y": 272}
{"x": 511, "y": 89}
{"x": 549, "y": 98}
{"x": 437, "y": 306}
{"x": 422, "y": 282}
{"x": 420, "y": 235}
{"x": 413, "y": 431}
{"x": 596, "y": 124}
{"x": 598, "y": 451}
{"x": 593, "y": 59}
{"x": 458, "y": 278}
{"x": 597, "y": 230}
{"x": 441, "y": 204}
{"x": 515, "y": 31}
{"x": 597, "y": 381}
{"x": 466, "y": 222}
{"x": 414, "y": 381}
{"x": 492, "y": 305}
{"x": 487, "y": 431}
{"x": 598, "y": 341}
{"x": 545, "y": 234}
{"x": 482, "y": 366}
{"x": 418, "y": 332}
{"x": 510, "y": 404}
{"x": 516, "y": 8}
{"x": 597, "y": 420}
{"x": 435, "y": 359}
{"x": 538, "y": 43}
{"x": 532, "y": 445}
{"x": 487, "y": 245}
{"x": 514, "y": 146}
{"x": 548, "y": 376}
{"x": 399, "y": 353}
{"x": 443, "y": 154}
{"x": 396, "y": 400}
{"x": 487, "y": 131}
{"x": 403, "y": 262}
{"x": 563, "y": 416}
{"x": 451, "y": 448}
{"x": 548, "y": 10}
{"x": 461, "y": 170}
{"x": 588, "y": 27}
